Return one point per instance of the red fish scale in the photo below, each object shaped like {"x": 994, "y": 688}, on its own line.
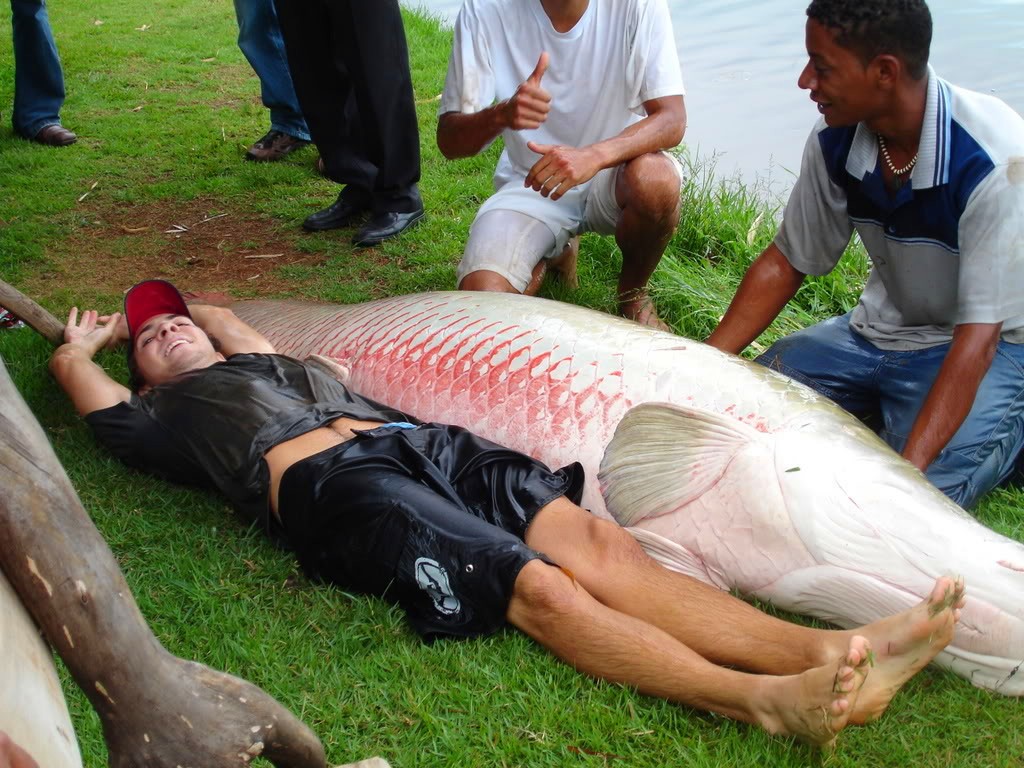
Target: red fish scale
{"x": 488, "y": 373}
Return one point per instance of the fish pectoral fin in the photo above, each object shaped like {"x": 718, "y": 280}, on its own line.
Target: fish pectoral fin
{"x": 839, "y": 595}
{"x": 675, "y": 557}
{"x": 331, "y": 367}
{"x": 664, "y": 456}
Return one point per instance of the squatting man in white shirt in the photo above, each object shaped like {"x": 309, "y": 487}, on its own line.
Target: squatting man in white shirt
{"x": 587, "y": 96}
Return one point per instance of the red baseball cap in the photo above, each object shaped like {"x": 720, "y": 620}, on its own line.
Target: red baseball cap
{"x": 149, "y": 299}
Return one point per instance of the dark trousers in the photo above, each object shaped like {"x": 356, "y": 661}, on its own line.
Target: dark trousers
{"x": 350, "y": 65}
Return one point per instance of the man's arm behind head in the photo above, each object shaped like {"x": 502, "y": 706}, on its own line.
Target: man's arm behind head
{"x": 233, "y": 335}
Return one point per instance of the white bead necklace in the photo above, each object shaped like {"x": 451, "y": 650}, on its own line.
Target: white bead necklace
{"x": 888, "y": 160}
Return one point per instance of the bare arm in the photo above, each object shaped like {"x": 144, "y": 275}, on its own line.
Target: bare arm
{"x": 952, "y": 394}
{"x": 235, "y": 336}
{"x": 561, "y": 168}
{"x": 767, "y": 287}
{"x": 88, "y": 385}
{"x": 464, "y": 134}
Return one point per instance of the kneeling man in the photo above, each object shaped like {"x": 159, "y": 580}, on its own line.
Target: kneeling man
{"x": 931, "y": 177}
{"x": 586, "y": 97}
{"x": 464, "y": 534}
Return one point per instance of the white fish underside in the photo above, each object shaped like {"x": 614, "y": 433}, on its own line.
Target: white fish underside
{"x": 722, "y": 469}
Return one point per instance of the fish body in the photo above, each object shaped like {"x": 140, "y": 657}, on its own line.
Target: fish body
{"x": 722, "y": 469}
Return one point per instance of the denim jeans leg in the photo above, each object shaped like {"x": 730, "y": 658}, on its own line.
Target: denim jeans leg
{"x": 985, "y": 449}
{"x": 259, "y": 38}
{"x": 38, "y": 79}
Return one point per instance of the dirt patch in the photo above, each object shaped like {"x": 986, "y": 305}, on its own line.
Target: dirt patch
{"x": 199, "y": 245}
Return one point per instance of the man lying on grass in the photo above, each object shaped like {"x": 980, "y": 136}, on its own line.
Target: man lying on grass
{"x": 463, "y": 533}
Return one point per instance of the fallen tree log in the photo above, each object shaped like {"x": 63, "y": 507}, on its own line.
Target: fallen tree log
{"x": 157, "y": 710}
{"x": 34, "y": 315}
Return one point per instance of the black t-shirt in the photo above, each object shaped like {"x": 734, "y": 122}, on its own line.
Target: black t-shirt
{"x": 212, "y": 426}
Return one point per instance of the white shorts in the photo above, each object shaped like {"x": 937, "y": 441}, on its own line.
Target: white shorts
{"x": 511, "y": 243}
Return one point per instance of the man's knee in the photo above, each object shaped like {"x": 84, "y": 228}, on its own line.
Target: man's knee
{"x": 486, "y": 280}
{"x": 606, "y": 545}
{"x": 588, "y": 546}
{"x": 650, "y": 185}
{"x": 543, "y": 595}
{"x": 503, "y": 250}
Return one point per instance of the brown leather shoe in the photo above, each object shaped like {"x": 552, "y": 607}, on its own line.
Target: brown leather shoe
{"x": 274, "y": 146}
{"x": 55, "y": 136}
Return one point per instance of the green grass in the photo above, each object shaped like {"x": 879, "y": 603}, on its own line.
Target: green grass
{"x": 164, "y": 117}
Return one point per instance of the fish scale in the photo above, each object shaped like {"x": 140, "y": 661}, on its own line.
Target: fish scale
{"x": 722, "y": 469}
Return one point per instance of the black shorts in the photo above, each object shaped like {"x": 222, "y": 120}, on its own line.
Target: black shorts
{"x": 432, "y": 518}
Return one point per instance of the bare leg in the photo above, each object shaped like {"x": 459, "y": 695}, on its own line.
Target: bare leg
{"x": 485, "y": 280}
{"x": 501, "y": 245}
{"x": 647, "y": 190}
{"x": 599, "y": 641}
{"x": 157, "y": 710}
{"x": 610, "y": 564}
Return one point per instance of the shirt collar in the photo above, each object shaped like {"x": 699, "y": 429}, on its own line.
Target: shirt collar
{"x": 932, "y": 168}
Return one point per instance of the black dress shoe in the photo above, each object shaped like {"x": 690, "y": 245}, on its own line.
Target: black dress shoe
{"x": 339, "y": 214}
{"x": 382, "y": 226}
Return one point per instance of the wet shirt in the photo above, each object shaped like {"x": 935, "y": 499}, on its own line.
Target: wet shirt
{"x": 947, "y": 248}
{"x": 212, "y": 426}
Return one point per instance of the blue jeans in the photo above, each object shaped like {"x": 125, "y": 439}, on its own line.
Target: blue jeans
{"x": 38, "y": 79}
{"x": 259, "y": 37}
{"x": 867, "y": 381}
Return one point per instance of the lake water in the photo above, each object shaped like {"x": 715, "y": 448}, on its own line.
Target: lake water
{"x": 741, "y": 59}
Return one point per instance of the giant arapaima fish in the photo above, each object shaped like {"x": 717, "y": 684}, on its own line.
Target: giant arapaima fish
{"x": 721, "y": 469}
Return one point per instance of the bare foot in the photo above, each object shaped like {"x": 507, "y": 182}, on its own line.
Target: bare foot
{"x": 536, "y": 278}
{"x": 816, "y": 705}
{"x": 905, "y": 643}
{"x": 564, "y": 264}
{"x": 641, "y": 308}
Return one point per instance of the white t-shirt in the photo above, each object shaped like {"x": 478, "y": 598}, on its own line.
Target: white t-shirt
{"x": 620, "y": 54}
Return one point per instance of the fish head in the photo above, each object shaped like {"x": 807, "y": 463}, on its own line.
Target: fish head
{"x": 855, "y": 501}
{"x": 840, "y": 467}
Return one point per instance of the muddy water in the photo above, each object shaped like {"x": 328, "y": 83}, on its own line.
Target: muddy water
{"x": 741, "y": 59}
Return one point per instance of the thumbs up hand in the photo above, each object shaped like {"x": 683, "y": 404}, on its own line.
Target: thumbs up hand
{"x": 529, "y": 106}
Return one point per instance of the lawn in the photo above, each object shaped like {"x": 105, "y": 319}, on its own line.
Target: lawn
{"x": 165, "y": 105}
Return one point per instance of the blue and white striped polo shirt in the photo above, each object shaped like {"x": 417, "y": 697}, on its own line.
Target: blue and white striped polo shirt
{"x": 948, "y": 248}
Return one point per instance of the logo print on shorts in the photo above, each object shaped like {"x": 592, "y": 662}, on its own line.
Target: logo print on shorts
{"x": 433, "y": 579}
